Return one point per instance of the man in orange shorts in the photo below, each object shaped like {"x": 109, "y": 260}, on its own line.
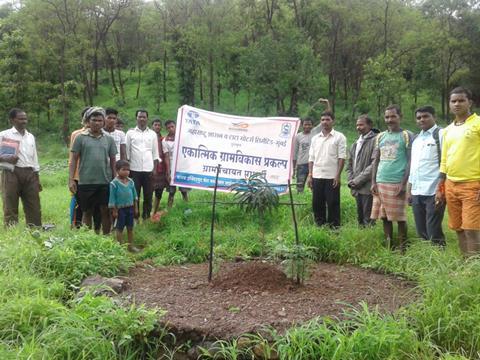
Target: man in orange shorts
{"x": 460, "y": 172}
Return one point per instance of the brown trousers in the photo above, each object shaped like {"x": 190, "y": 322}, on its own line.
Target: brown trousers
{"x": 23, "y": 184}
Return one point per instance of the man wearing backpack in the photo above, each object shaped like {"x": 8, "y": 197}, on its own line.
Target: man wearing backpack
{"x": 423, "y": 179}
{"x": 390, "y": 171}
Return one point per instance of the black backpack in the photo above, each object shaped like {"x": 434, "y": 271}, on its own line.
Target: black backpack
{"x": 436, "y": 137}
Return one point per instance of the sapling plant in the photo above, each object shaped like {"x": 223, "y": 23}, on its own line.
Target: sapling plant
{"x": 256, "y": 195}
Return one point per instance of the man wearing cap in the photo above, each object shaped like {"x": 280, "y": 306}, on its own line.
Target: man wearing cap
{"x": 95, "y": 153}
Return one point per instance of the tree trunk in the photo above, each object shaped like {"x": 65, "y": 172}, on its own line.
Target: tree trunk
{"x": 65, "y": 127}
{"x": 165, "y": 76}
{"x": 139, "y": 81}
{"x": 112, "y": 78}
{"x": 91, "y": 90}
{"x": 333, "y": 94}
{"x": 444, "y": 110}
{"x": 49, "y": 113}
{"x": 211, "y": 82}
{"x": 332, "y": 78}
{"x": 293, "y": 111}
{"x": 86, "y": 90}
{"x": 120, "y": 83}
{"x": 200, "y": 79}
{"x": 95, "y": 72}
{"x": 296, "y": 12}
{"x": 385, "y": 28}
{"x": 87, "y": 85}
{"x": 219, "y": 90}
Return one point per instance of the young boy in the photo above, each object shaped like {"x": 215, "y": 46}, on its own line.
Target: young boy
{"x": 124, "y": 202}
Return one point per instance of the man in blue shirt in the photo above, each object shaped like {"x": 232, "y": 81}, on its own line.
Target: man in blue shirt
{"x": 423, "y": 179}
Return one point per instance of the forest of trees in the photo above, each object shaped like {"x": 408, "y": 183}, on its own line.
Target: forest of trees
{"x": 362, "y": 54}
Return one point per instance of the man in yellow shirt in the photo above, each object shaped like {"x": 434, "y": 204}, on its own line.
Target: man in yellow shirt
{"x": 460, "y": 172}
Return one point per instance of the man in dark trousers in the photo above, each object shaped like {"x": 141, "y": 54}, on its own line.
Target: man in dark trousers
{"x": 326, "y": 159}
{"x": 95, "y": 152}
{"x": 142, "y": 153}
{"x": 424, "y": 177}
{"x": 359, "y": 169}
{"x": 19, "y": 164}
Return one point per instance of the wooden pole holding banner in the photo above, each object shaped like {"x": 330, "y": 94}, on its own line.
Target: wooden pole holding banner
{"x": 293, "y": 212}
{"x": 297, "y": 241}
{"x": 210, "y": 259}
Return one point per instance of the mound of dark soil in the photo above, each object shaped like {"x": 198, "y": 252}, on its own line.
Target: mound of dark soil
{"x": 245, "y": 297}
{"x": 255, "y": 275}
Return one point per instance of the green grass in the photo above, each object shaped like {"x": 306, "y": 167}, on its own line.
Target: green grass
{"x": 40, "y": 273}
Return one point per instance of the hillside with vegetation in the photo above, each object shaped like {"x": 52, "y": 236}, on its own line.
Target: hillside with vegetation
{"x": 248, "y": 57}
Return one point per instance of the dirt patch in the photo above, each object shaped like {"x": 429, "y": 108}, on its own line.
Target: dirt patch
{"x": 247, "y": 296}
{"x": 252, "y": 276}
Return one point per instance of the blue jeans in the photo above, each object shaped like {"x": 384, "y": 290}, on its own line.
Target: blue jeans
{"x": 125, "y": 218}
{"x": 302, "y": 172}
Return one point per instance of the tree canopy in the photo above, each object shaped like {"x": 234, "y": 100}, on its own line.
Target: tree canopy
{"x": 279, "y": 53}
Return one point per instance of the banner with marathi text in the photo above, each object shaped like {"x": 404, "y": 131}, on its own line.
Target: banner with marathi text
{"x": 241, "y": 145}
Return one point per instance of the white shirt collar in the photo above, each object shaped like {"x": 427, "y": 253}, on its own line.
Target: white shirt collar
{"x": 15, "y": 131}
{"x": 429, "y": 130}
{"x": 331, "y": 133}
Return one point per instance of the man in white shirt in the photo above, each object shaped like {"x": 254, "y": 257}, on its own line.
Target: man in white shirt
{"x": 111, "y": 118}
{"x": 19, "y": 164}
{"x": 424, "y": 177}
{"x": 326, "y": 159}
{"x": 142, "y": 153}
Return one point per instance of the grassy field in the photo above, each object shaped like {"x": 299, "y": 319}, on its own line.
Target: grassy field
{"x": 41, "y": 318}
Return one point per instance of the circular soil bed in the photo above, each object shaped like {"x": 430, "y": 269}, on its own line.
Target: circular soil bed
{"x": 247, "y": 296}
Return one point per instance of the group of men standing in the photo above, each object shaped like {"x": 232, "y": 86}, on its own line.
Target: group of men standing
{"x": 389, "y": 170}
{"x": 437, "y": 169}
{"x": 99, "y": 144}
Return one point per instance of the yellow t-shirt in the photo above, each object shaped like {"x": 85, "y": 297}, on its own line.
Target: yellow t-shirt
{"x": 461, "y": 150}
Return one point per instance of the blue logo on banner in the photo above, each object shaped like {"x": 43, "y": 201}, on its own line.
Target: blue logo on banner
{"x": 193, "y": 118}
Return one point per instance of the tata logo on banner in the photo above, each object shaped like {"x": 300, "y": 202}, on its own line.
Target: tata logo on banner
{"x": 240, "y": 125}
{"x": 193, "y": 118}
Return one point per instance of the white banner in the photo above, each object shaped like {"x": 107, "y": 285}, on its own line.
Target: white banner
{"x": 241, "y": 145}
